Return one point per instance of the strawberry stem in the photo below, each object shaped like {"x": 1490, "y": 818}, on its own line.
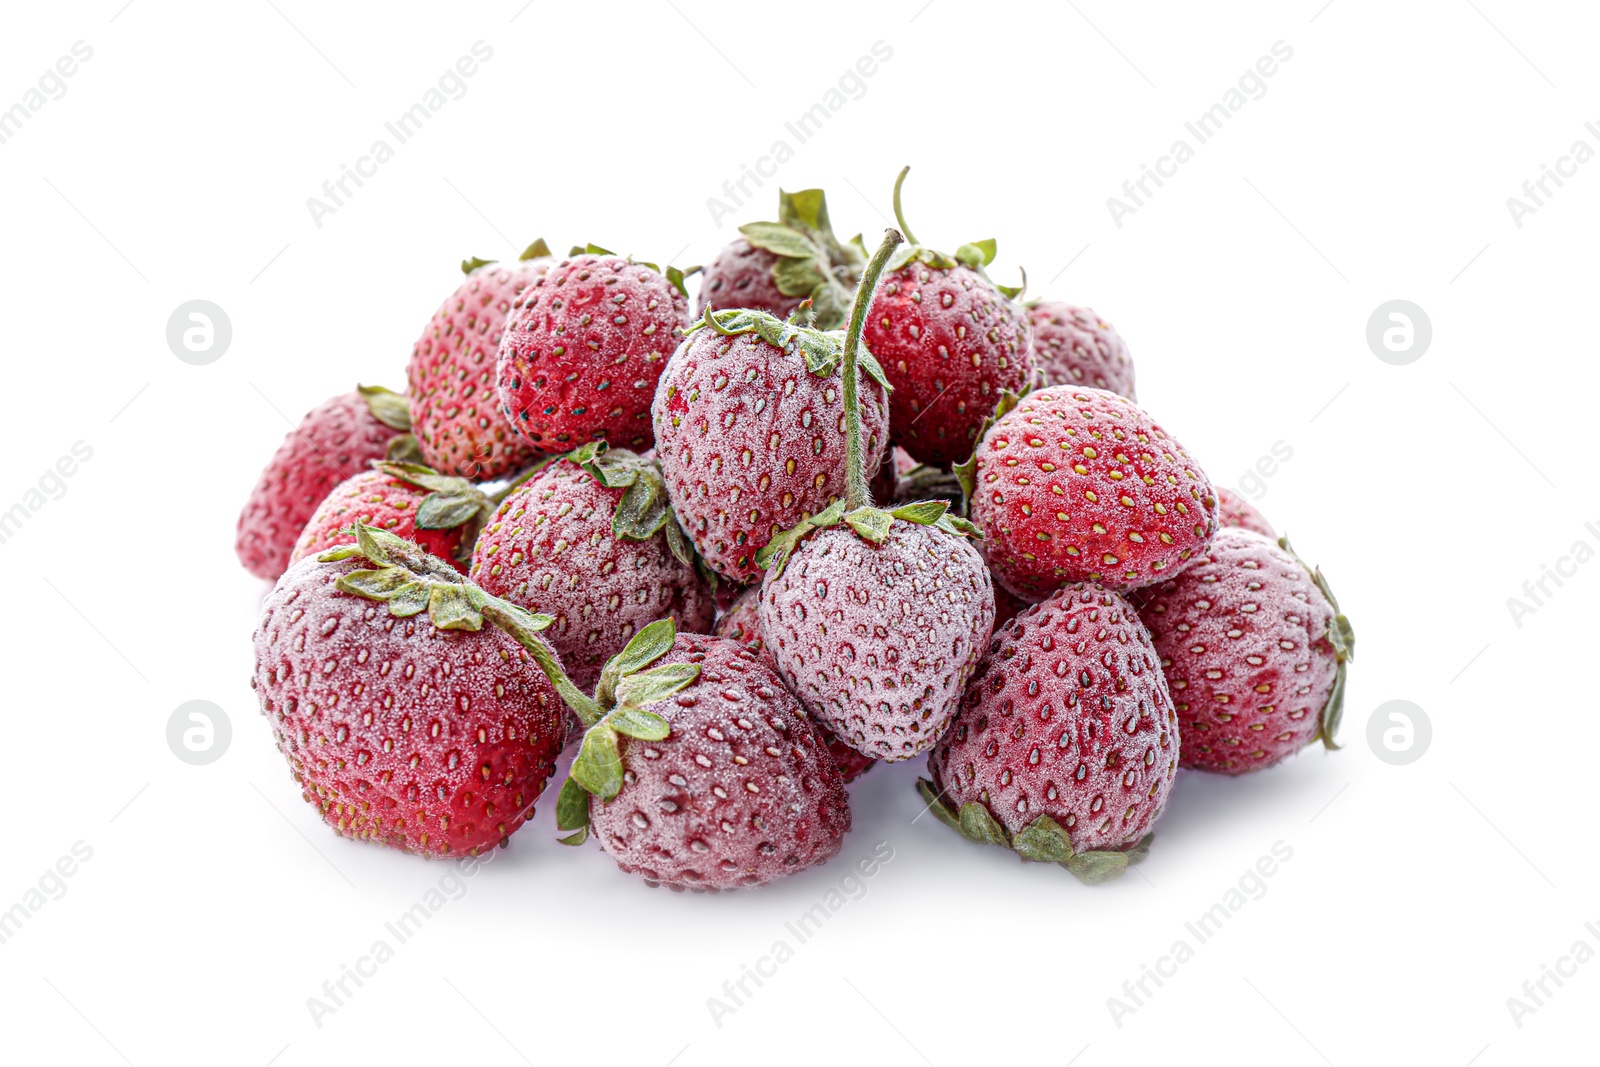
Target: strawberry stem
{"x": 857, "y": 494}
{"x": 898, "y": 215}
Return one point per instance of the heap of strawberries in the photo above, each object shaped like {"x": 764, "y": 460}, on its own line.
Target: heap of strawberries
{"x": 600, "y": 521}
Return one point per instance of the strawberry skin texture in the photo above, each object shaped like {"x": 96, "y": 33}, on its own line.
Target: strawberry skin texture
{"x": 878, "y": 641}
{"x": 1235, "y": 510}
{"x": 333, "y": 442}
{"x": 549, "y": 548}
{"x": 1243, "y": 639}
{"x": 373, "y": 498}
{"x": 455, "y": 409}
{"x": 1074, "y": 346}
{"x": 741, "y": 624}
{"x": 945, "y": 337}
{"x": 751, "y": 442}
{"x": 740, "y": 794}
{"x": 582, "y": 350}
{"x": 1068, "y": 716}
{"x": 1076, "y": 485}
{"x": 435, "y": 742}
{"x": 741, "y": 277}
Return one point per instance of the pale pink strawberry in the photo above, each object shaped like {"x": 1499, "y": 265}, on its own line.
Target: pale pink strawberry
{"x": 1235, "y": 510}
{"x": 1074, "y": 346}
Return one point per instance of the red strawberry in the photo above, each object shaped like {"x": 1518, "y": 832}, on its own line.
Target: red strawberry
{"x": 1075, "y": 485}
{"x": 1006, "y": 606}
{"x": 333, "y": 442}
{"x": 742, "y": 625}
{"x": 454, "y": 407}
{"x": 876, "y": 618}
{"x": 1074, "y": 346}
{"x": 947, "y": 336}
{"x": 1066, "y": 745}
{"x": 414, "y": 711}
{"x": 702, "y": 772}
{"x": 1255, "y": 649}
{"x": 440, "y": 514}
{"x": 583, "y": 348}
{"x": 590, "y": 541}
{"x": 775, "y": 266}
{"x": 749, "y": 424}
{"x": 1235, "y": 510}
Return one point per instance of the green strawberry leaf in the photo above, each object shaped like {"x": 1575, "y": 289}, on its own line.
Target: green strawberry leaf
{"x": 598, "y": 766}
{"x": 387, "y": 406}
{"x": 779, "y": 239}
{"x": 676, "y": 276}
{"x": 451, "y": 607}
{"x": 573, "y": 840}
{"x": 408, "y": 600}
{"x": 806, "y": 209}
{"x": 936, "y": 804}
{"x": 657, "y": 683}
{"x": 1096, "y": 868}
{"x": 872, "y": 524}
{"x": 797, "y": 277}
{"x": 636, "y": 722}
{"x": 403, "y": 449}
{"x": 448, "y": 510}
{"x": 678, "y": 541}
{"x": 977, "y": 253}
{"x": 537, "y": 250}
{"x": 955, "y": 524}
{"x": 775, "y": 554}
{"x": 378, "y": 584}
{"x": 470, "y": 265}
{"x": 572, "y": 806}
{"x": 1043, "y": 841}
{"x": 922, "y": 512}
{"x": 642, "y": 511}
{"x": 976, "y": 824}
{"x": 340, "y": 553}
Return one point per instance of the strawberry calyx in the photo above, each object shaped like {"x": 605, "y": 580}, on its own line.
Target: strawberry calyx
{"x": 628, "y": 684}
{"x": 452, "y": 503}
{"x": 871, "y": 523}
{"x": 1342, "y": 636}
{"x": 410, "y": 580}
{"x": 1041, "y": 841}
{"x": 671, "y": 273}
{"x": 643, "y": 510}
{"x": 387, "y": 406}
{"x": 823, "y": 350}
{"x": 975, "y": 255}
{"x": 812, "y": 262}
{"x": 537, "y": 250}
{"x": 967, "y": 473}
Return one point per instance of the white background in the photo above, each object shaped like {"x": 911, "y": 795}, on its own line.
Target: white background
{"x": 1377, "y": 166}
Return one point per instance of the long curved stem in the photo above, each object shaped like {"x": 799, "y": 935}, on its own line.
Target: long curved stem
{"x": 898, "y": 215}
{"x": 857, "y": 494}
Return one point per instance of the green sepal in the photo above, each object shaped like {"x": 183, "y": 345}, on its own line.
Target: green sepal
{"x": 643, "y": 648}
{"x": 935, "y": 803}
{"x": 451, "y": 501}
{"x": 980, "y": 826}
{"x": 779, "y": 239}
{"x": 643, "y": 509}
{"x": 572, "y": 806}
{"x": 873, "y": 524}
{"x": 638, "y": 723}
{"x": 380, "y": 584}
{"x": 977, "y": 253}
{"x": 403, "y": 449}
{"x": 590, "y": 250}
{"x": 774, "y": 555}
{"x": 410, "y": 599}
{"x": 676, "y": 276}
{"x": 598, "y": 766}
{"x": 452, "y": 607}
{"x": 678, "y": 541}
{"x": 342, "y": 552}
{"x": 1043, "y": 841}
{"x": 387, "y": 406}
{"x": 922, "y": 512}
{"x": 1342, "y": 636}
{"x": 823, "y": 350}
{"x": 573, "y": 840}
{"x": 470, "y": 265}
{"x": 445, "y": 511}
{"x": 537, "y": 250}
{"x": 967, "y": 473}
{"x": 656, "y": 684}
{"x": 798, "y": 277}
{"x": 1097, "y": 868}
{"x": 960, "y": 527}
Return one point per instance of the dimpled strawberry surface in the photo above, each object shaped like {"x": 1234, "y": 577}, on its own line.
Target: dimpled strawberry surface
{"x": 741, "y": 277}
{"x": 583, "y": 347}
{"x": 1082, "y": 485}
{"x": 1068, "y": 715}
{"x": 334, "y": 441}
{"x": 1074, "y": 346}
{"x": 741, "y": 793}
{"x": 950, "y": 344}
{"x": 455, "y": 410}
{"x": 751, "y": 442}
{"x": 878, "y": 641}
{"x": 375, "y": 499}
{"x": 432, "y": 741}
{"x": 1243, "y": 639}
{"x": 549, "y": 547}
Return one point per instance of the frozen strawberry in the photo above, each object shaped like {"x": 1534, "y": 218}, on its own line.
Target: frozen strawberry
{"x": 589, "y": 540}
{"x": 951, "y": 342}
{"x": 749, "y": 426}
{"x": 1073, "y": 485}
{"x": 1007, "y": 606}
{"x": 1255, "y": 649}
{"x": 741, "y": 624}
{"x": 776, "y": 266}
{"x": 1235, "y": 510}
{"x": 1074, "y": 346}
{"x": 415, "y": 711}
{"x": 439, "y": 513}
{"x": 700, "y": 771}
{"x": 1066, "y": 745}
{"x": 583, "y": 348}
{"x": 332, "y": 443}
{"x": 455, "y": 410}
{"x": 875, "y": 618}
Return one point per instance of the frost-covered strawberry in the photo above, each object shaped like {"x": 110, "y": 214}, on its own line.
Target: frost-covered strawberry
{"x": 589, "y": 540}
{"x": 415, "y": 711}
{"x": 334, "y": 441}
{"x": 440, "y": 513}
{"x": 875, "y": 618}
{"x": 1235, "y": 510}
{"x": 951, "y": 342}
{"x": 776, "y": 266}
{"x": 455, "y": 410}
{"x": 700, "y": 771}
{"x": 1074, "y": 485}
{"x": 1067, "y": 744}
{"x": 1074, "y": 346}
{"x": 749, "y": 426}
{"x": 583, "y": 347}
{"x": 1255, "y": 649}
